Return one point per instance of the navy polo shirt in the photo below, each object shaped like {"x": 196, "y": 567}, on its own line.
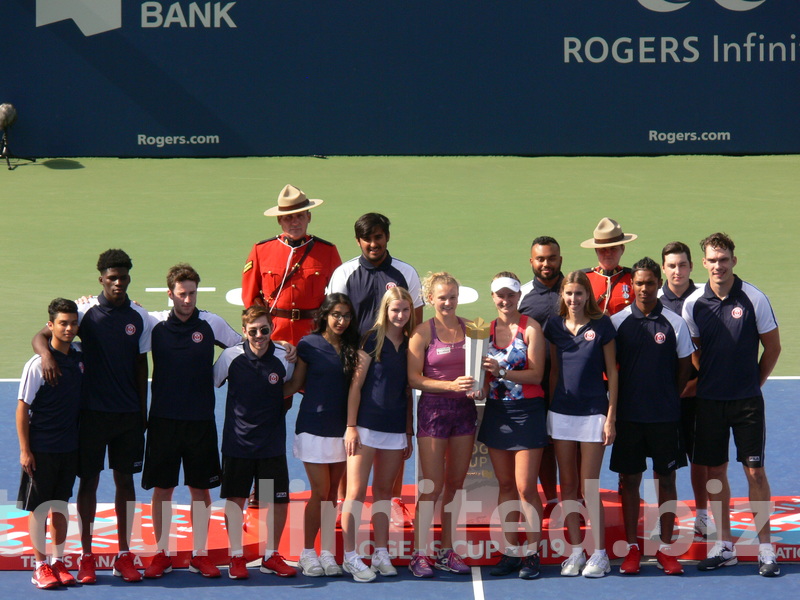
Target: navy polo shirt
{"x": 112, "y": 338}
{"x": 539, "y": 301}
{"x": 581, "y": 389}
{"x": 673, "y": 302}
{"x": 729, "y": 331}
{"x": 648, "y": 349}
{"x": 183, "y": 361}
{"x": 384, "y": 398}
{"x": 53, "y": 410}
{"x": 323, "y": 410}
{"x": 255, "y": 426}
{"x": 365, "y": 284}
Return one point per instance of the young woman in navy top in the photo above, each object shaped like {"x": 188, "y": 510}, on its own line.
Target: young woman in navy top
{"x": 326, "y": 360}
{"x": 379, "y": 429}
{"x": 582, "y": 413}
{"x": 514, "y": 425}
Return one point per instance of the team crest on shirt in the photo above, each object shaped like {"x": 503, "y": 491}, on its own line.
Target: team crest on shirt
{"x": 660, "y": 338}
{"x": 273, "y": 378}
{"x": 390, "y": 285}
{"x": 589, "y": 335}
{"x": 197, "y": 337}
{"x": 737, "y": 312}
{"x": 130, "y": 328}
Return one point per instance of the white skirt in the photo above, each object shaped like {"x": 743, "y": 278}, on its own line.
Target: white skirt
{"x": 382, "y": 440}
{"x": 576, "y": 428}
{"x": 312, "y": 448}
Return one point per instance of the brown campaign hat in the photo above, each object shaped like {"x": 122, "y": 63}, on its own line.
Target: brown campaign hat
{"x": 291, "y": 200}
{"x": 608, "y": 233}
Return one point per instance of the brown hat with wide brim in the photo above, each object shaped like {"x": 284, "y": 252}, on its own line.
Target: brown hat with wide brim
{"x": 292, "y": 200}
{"x": 608, "y": 233}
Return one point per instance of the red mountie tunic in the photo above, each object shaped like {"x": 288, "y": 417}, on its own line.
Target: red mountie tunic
{"x": 264, "y": 272}
{"x": 620, "y": 282}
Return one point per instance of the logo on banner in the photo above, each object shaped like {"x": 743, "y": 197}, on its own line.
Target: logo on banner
{"x": 91, "y": 16}
{"x": 665, "y": 6}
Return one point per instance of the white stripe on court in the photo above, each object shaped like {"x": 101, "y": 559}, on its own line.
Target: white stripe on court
{"x": 477, "y": 584}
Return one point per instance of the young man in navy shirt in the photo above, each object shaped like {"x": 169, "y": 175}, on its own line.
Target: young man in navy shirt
{"x": 47, "y": 427}
{"x": 676, "y": 261}
{"x": 115, "y": 336}
{"x": 182, "y": 426}
{"x": 654, "y": 352}
{"x": 254, "y": 437}
{"x": 729, "y": 320}
{"x": 365, "y": 280}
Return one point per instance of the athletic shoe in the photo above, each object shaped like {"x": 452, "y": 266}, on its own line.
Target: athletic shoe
{"x": 328, "y": 562}
{"x": 597, "y": 566}
{"x": 450, "y": 561}
{"x": 203, "y": 565}
{"x": 718, "y": 556}
{"x": 62, "y": 574}
{"x": 124, "y": 567}
{"x": 276, "y": 564}
{"x": 360, "y": 572}
{"x": 310, "y": 566}
{"x": 382, "y": 564}
{"x": 160, "y": 564}
{"x": 530, "y": 567}
{"x": 86, "y": 570}
{"x": 668, "y": 563}
{"x": 506, "y": 565}
{"x": 44, "y": 578}
{"x": 700, "y": 528}
{"x": 400, "y": 516}
{"x": 420, "y": 565}
{"x": 768, "y": 563}
{"x": 237, "y": 569}
{"x": 573, "y": 565}
{"x": 632, "y": 562}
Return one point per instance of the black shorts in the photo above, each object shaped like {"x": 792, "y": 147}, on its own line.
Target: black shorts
{"x": 688, "y": 411}
{"x": 52, "y": 480}
{"x": 272, "y": 474}
{"x": 713, "y": 423}
{"x": 172, "y": 441}
{"x": 123, "y": 433}
{"x": 636, "y": 441}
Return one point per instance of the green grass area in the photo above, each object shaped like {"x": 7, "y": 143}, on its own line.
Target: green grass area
{"x": 472, "y": 216}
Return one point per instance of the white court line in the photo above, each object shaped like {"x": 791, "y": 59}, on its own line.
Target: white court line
{"x": 477, "y": 583}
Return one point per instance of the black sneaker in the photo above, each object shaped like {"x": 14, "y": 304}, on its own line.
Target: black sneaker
{"x": 768, "y": 563}
{"x": 506, "y": 565}
{"x": 530, "y": 567}
{"x": 719, "y": 556}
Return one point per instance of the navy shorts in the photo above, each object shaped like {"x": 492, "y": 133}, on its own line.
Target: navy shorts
{"x": 122, "y": 433}
{"x": 713, "y": 423}
{"x": 514, "y": 424}
{"x": 444, "y": 418}
{"x": 238, "y": 475}
{"x": 52, "y": 480}
{"x": 635, "y": 442}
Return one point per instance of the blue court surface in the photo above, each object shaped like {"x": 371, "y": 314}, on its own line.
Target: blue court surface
{"x": 740, "y": 581}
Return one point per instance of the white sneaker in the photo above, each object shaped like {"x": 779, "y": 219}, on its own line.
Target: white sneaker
{"x": 719, "y": 556}
{"x": 573, "y": 565}
{"x": 310, "y": 566}
{"x": 360, "y": 572}
{"x": 700, "y": 528}
{"x": 598, "y": 565}
{"x": 382, "y": 563}
{"x": 768, "y": 563}
{"x": 329, "y": 565}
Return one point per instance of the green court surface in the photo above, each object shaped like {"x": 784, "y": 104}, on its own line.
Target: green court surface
{"x": 472, "y": 216}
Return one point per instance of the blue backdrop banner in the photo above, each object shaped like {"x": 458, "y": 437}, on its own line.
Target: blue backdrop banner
{"x": 261, "y": 77}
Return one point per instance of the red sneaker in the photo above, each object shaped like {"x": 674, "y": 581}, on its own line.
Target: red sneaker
{"x": 276, "y": 564}
{"x": 400, "y": 516}
{"x": 669, "y": 563}
{"x": 124, "y": 567}
{"x": 86, "y": 574}
{"x": 204, "y": 566}
{"x": 238, "y": 568}
{"x": 160, "y": 564}
{"x": 632, "y": 562}
{"x": 62, "y": 574}
{"x": 44, "y": 578}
